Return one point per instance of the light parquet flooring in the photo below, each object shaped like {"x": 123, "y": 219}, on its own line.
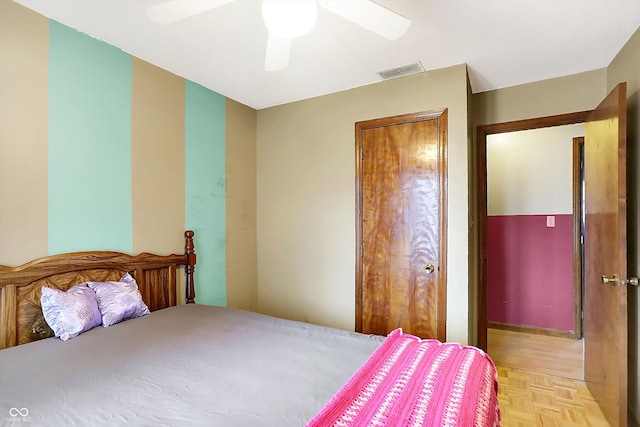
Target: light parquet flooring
{"x": 531, "y": 399}
{"x": 562, "y": 357}
{"x": 537, "y": 381}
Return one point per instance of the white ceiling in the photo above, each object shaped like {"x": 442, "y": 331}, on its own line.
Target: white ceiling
{"x": 503, "y": 42}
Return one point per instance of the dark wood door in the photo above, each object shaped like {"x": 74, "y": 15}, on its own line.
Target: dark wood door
{"x": 605, "y": 313}
{"x": 401, "y": 235}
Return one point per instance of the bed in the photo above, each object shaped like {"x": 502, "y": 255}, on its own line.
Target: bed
{"x": 191, "y": 364}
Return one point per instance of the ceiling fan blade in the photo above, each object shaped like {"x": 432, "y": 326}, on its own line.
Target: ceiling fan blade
{"x": 369, "y": 15}
{"x": 172, "y": 11}
{"x": 278, "y": 50}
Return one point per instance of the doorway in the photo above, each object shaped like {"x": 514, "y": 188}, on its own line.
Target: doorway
{"x": 481, "y": 191}
{"x": 534, "y": 232}
{"x": 534, "y": 235}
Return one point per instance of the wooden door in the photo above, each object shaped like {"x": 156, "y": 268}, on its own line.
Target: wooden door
{"x": 605, "y": 314}
{"x": 401, "y": 238}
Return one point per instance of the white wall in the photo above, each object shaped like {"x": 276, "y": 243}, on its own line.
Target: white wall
{"x": 530, "y": 172}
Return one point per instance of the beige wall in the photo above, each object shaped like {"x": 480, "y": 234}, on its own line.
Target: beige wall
{"x": 157, "y": 144}
{"x": 626, "y": 68}
{"x": 157, "y": 159}
{"x": 568, "y": 94}
{"x": 306, "y": 197}
{"x": 242, "y": 288}
{"x": 24, "y": 53}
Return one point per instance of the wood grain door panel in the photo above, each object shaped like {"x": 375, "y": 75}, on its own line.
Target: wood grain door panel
{"x": 401, "y": 225}
{"x": 605, "y": 313}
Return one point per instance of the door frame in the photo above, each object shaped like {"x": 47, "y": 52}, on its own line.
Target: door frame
{"x": 578, "y": 235}
{"x": 482, "y": 132}
{"x": 441, "y": 116}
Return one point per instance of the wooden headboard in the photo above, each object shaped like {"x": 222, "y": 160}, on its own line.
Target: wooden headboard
{"x": 21, "y": 318}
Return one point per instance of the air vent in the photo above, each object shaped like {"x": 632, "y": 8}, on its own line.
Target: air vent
{"x": 405, "y": 70}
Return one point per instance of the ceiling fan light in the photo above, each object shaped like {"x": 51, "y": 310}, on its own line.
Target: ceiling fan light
{"x": 289, "y": 18}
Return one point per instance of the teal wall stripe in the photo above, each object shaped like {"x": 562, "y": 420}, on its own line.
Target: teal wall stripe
{"x": 90, "y": 202}
{"x": 205, "y": 117}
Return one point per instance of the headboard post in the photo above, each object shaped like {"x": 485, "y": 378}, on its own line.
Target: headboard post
{"x": 189, "y": 267}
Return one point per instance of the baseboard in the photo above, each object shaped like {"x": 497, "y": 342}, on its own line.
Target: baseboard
{"x": 531, "y": 330}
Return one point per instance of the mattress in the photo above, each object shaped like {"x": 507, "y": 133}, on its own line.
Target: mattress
{"x": 213, "y": 366}
{"x": 185, "y": 365}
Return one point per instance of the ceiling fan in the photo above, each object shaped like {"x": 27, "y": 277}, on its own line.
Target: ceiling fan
{"x": 287, "y": 19}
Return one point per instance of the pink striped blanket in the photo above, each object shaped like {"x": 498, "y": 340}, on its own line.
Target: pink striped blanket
{"x": 412, "y": 382}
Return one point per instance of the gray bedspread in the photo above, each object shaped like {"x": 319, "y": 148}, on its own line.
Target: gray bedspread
{"x": 185, "y": 365}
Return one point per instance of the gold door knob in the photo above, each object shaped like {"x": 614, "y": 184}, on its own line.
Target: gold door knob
{"x": 430, "y": 268}
{"x": 631, "y": 281}
{"x": 615, "y": 280}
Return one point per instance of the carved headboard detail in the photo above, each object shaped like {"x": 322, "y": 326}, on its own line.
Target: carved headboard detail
{"x": 21, "y": 319}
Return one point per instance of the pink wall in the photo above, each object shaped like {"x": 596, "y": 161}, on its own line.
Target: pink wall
{"x": 530, "y": 271}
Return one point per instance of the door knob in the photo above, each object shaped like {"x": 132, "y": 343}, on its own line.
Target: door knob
{"x": 631, "y": 281}
{"x": 429, "y": 268}
{"x": 615, "y": 280}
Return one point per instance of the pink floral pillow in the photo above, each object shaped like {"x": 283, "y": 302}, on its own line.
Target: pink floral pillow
{"x": 72, "y": 312}
{"x": 119, "y": 301}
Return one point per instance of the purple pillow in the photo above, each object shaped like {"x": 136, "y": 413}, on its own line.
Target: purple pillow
{"x": 119, "y": 301}
{"x": 72, "y": 312}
